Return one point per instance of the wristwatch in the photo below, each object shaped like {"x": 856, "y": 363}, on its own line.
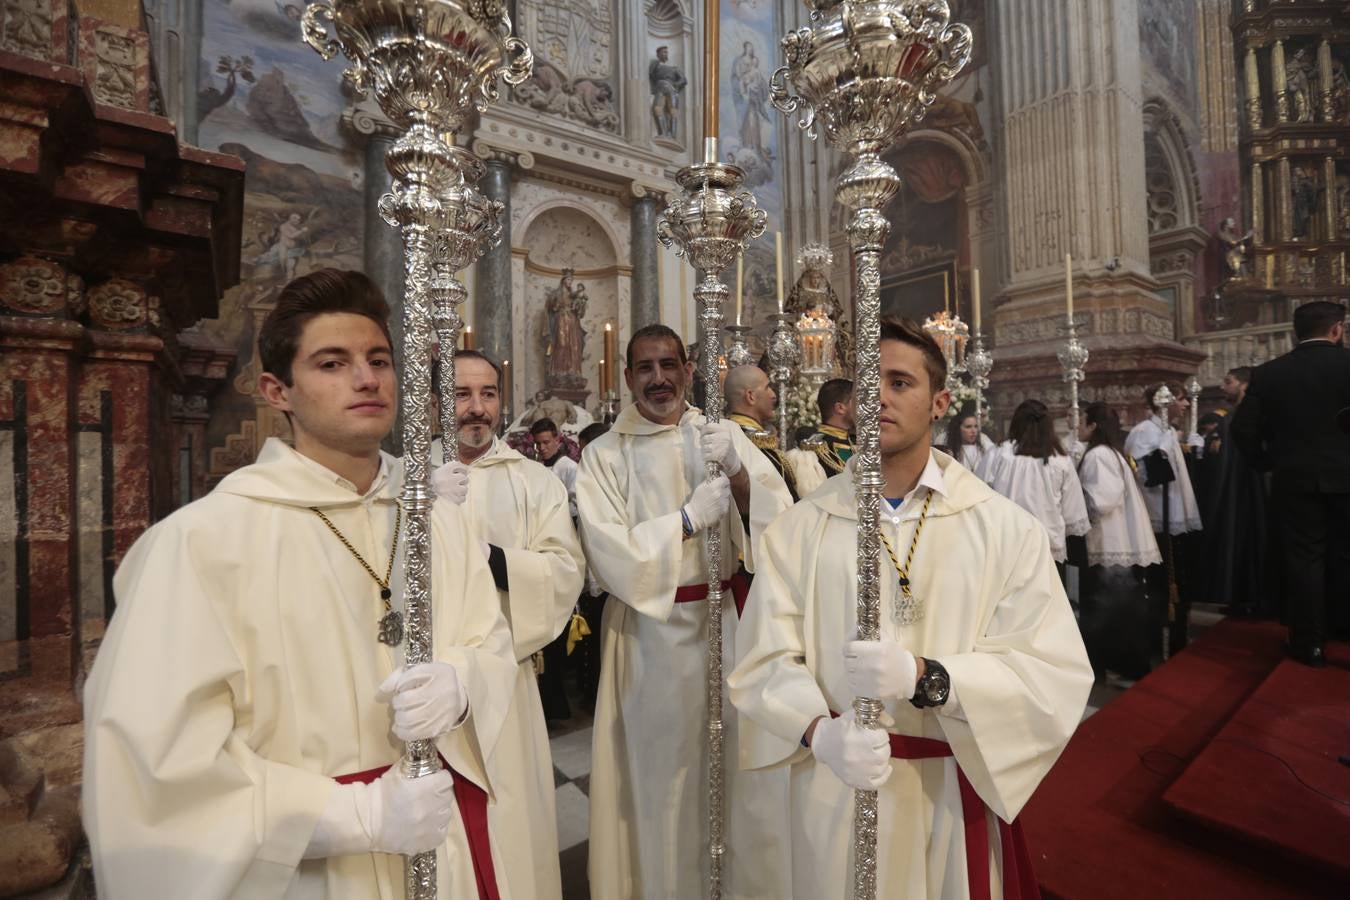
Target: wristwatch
{"x": 934, "y": 687}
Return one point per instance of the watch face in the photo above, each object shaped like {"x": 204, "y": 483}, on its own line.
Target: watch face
{"x": 935, "y": 691}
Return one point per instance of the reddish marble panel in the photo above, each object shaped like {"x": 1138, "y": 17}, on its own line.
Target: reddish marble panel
{"x": 20, "y": 146}
{"x": 101, "y": 184}
{"x": 180, "y": 216}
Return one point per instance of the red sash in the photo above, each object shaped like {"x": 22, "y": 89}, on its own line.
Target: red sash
{"x": 1019, "y": 881}
{"x": 472, "y": 803}
{"x": 738, "y": 584}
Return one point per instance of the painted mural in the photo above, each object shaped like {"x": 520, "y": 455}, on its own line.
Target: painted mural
{"x": 267, "y": 98}
{"x": 1167, "y": 43}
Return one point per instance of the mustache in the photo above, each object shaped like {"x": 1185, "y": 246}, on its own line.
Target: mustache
{"x": 652, "y": 389}
{"x": 474, "y": 420}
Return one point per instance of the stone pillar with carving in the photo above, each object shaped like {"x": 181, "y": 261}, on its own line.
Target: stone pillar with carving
{"x": 492, "y": 275}
{"x": 646, "y": 300}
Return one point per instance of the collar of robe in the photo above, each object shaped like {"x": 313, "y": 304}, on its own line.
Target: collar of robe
{"x": 281, "y": 476}
{"x": 499, "y": 452}
{"x": 964, "y": 490}
{"x": 631, "y": 421}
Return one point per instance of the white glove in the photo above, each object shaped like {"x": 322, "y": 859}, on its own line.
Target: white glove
{"x": 392, "y": 815}
{"x": 451, "y": 482}
{"x": 428, "y": 700}
{"x": 1195, "y": 442}
{"x": 709, "y": 502}
{"x": 882, "y": 670}
{"x": 716, "y": 442}
{"x": 859, "y": 757}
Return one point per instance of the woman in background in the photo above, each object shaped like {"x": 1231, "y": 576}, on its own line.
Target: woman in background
{"x": 1113, "y": 606}
{"x": 1032, "y": 470}
{"x": 966, "y": 443}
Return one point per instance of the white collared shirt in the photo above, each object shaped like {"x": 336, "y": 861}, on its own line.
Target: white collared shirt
{"x": 376, "y": 486}
{"x": 908, "y": 510}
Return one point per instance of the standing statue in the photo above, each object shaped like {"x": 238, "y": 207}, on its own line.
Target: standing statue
{"x": 1304, "y": 189}
{"x": 565, "y": 306}
{"x": 1298, "y": 75}
{"x": 813, "y": 299}
{"x": 1236, "y": 248}
{"x": 667, "y": 82}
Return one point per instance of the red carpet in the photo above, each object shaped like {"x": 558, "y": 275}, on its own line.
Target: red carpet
{"x": 1099, "y": 827}
{"x": 1272, "y": 775}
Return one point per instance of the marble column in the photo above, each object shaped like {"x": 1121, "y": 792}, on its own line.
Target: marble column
{"x": 646, "y": 299}
{"x": 492, "y": 277}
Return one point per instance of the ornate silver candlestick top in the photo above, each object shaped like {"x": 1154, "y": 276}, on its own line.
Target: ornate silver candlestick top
{"x": 1073, "y": 358}
{"x": 1193, "y": 389}
{"x": 738, "y": 354}
{"x": 979, "y": 363}
{"x": 865, "y": 72}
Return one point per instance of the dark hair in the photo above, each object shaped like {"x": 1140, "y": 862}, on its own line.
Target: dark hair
{"x": 1316, "y": 319}
{"x": 802, "y": 433}
{"x": 1034, "y": 431}
{"x": 316, "y": 294}
{"x": 836, "y": 390}
{"x": 954, "y": 440}
{"x": 1108, "y": 427}
{"x": 591, "y": 432}
{"x": 1242, "y": 373}
{"x": 464, "y": 354}
{"x": 543, "y": 426}
{"x": 907, "y": 331}
{"x": 1151, "y": 392}
{"x": 654, "y": 333}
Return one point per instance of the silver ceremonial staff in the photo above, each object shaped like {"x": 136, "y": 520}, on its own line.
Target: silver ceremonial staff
{"x": 709, "y": 223}
{"x": 430, "y": 63}
{"x": 866, "y": 72}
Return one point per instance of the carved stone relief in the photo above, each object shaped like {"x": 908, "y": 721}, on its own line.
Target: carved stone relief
{"x": 573, "y": 64}
{"x": 119, "y": 305}
{"x": 28, "y": 26}
{"x": 30, "y": 286}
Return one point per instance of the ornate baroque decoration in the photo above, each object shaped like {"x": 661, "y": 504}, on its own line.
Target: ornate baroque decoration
{"x": 118, "y": 305}
{"x": 30, "y": 286}
{"x": 574, "y": 68}
{"x": 865, "y": 73}
{"x": 429, "y": 64}
{"x": 27, "y": 28}
{"x": 115, "y": 78}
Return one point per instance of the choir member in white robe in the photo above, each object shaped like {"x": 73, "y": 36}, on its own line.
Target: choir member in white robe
{"x": 966, "y": 443}
{"x": 996, "y": 631}
{"x": 643, "y": 504}
{"x": 1032, "y": 470}
{"x": 1183, "y": 512}
{"x": 519, "y": 509}
{"x": 241, "y": 673}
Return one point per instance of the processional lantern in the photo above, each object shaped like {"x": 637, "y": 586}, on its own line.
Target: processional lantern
{"x": 430, "y": 64}
{"x": 865, "y": 73}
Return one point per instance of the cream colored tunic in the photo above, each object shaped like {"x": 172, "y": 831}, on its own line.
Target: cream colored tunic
{"x": 808, "y": 471}
{"x": 238, "y": 677}
{"x": 995, "y": 616}
{"x": 649, "y": 786}
{"x": 520, "y": 506}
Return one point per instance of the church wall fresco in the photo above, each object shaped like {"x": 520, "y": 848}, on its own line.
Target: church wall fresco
{"x": 267, "y": 98}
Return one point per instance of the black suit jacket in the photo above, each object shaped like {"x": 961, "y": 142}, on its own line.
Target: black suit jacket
{"x": 1287, "y": 421}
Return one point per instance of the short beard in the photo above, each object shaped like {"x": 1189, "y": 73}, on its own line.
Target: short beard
{"x": 466, "y": 431}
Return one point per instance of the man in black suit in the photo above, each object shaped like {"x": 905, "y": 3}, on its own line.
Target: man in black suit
{"x": 1288, "y": 423}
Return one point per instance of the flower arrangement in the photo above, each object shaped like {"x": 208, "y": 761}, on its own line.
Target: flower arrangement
{"x": 962, "y": 395}
{"x": 801, "y": 407}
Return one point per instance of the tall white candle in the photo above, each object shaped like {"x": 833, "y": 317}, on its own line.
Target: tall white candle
{"x": 778, "y": 265}
{"x": 740, "y": 285}
{"x": 1068, "y": 284}
{"x": 975, "y": 296}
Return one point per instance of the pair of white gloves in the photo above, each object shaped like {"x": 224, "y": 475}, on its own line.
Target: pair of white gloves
{"x": 394, "y": 814}
{"x": 861, "y": 757}
{"x": 711, "y": 499}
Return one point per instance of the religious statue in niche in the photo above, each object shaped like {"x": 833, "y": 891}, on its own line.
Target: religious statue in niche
{"x": 1299, "y": 74}
{"x": 1303, "y": 188}
{"x": 816, "y": 305}
{"x": 668, "y": 83}
{"x": 565, "y": 305}
{"x": 1236, "y": 250}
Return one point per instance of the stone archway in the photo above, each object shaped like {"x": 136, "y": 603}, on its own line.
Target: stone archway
{"x": 1175, "y": 236}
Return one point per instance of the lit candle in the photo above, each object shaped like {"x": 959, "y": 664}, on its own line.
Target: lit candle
{"x": 1068, "y": 284}
{"x": 778, "y": 265}
{"x": 946, "y": 294}
{"x": 604, "y": 377}
{"x": 468, "y": 337}
{"x": 506, "y": 383}
{"x": 740, "y": 285}
{"x": 611, "y": 353}
{"x": 975, "y": 296}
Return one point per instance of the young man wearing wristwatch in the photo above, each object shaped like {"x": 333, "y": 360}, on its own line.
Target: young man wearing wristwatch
{"x": 980, "y": 666}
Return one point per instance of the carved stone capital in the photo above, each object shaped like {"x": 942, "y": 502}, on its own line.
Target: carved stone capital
{"x": 521, "y": 159}
{"x": 364, "y": 118}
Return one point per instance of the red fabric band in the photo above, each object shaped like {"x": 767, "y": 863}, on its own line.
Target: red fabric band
{"x": 738, "y": 584}
{"x": 1019, "y": 881}
{"x": 472, "y": 803}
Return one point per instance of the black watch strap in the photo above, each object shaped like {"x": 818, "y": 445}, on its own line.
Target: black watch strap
{"x": 934, "y": 687}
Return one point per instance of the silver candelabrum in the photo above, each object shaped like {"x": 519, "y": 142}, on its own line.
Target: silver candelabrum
{"x": 1193, "y": 389}
{"x": 429, "y": 64}
{"x": 785, "y": 355}
{"x": 1073, "y": 357}
{"x": 738, "y": 354}
{"x": 979, "y": 363}
{"x": 866, "y": 72}
{"x": 710, "y": 222}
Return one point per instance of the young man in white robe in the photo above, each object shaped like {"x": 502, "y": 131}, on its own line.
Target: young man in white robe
{"x": 243, "y": 719}
{"x": 644, "y": 504}
{"x": 519, "y": 510}
{"x": 981, "y": 692}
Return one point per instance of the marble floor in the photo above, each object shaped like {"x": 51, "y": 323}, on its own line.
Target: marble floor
{"x": 570, "y": 741}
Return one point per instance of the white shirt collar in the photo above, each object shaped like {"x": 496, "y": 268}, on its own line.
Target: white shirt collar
{"x": 328, "y": 474}
{"x": 930, "y": 478}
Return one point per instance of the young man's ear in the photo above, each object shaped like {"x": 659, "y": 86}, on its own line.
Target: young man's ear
{"x": 274, "y": 391}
